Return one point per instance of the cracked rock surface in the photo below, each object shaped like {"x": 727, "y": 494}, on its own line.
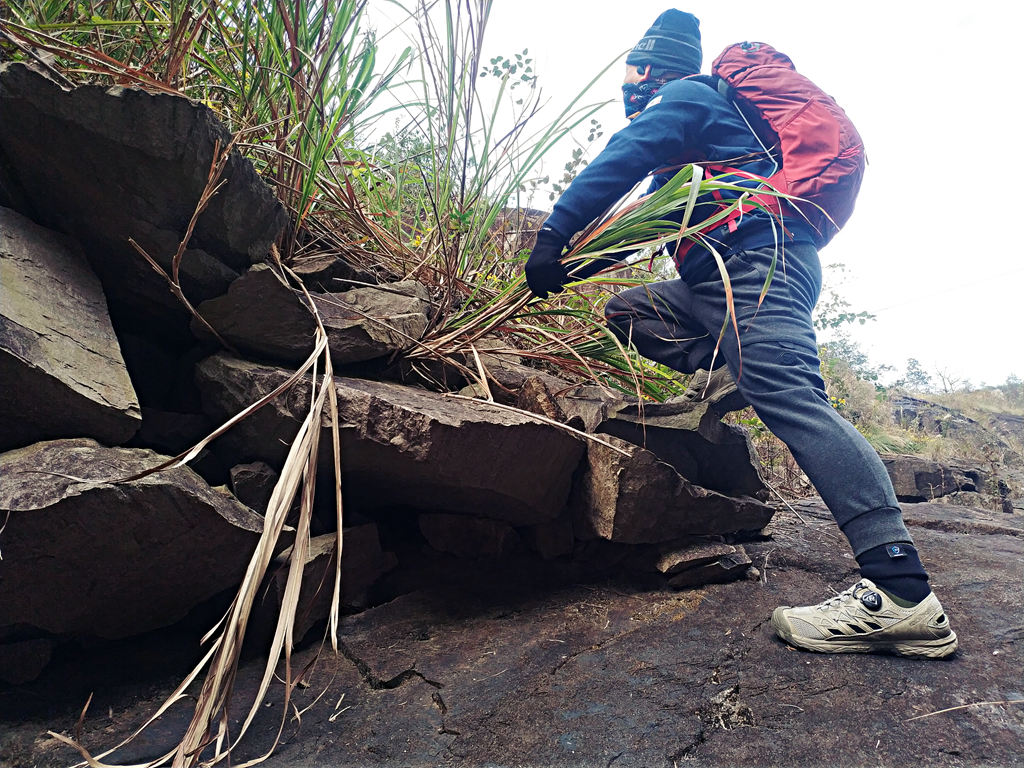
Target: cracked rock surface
{"x": 519, "y": 668}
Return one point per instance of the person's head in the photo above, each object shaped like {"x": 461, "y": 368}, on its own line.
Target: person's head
{"x": 669, "y": 50}
{"x": 671, "y": 46}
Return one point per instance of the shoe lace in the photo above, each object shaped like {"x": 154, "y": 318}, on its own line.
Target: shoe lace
{"x": 852, "y": 593}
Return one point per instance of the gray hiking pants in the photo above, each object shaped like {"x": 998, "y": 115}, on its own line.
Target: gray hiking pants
{"x": 776, "y": 366}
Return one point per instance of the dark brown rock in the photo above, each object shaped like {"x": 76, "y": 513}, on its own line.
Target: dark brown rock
{"x": 467, "y": 536}
{"x": 61, "y": 370}
{"x": 253, "y": 484}
{"x": 109, "y": 164}
{"x": 917, "y": 479}
{"x": 22, "y": 660}
{"x": 692, "y": 438}
{"x": 714, "y": 570}
{"x": 590, "y": 405}
{"x": 363, "y": 562}
{"x": 262, "y": 315}
{"x": 638, "y": 499}
{"x": 85, "y": 554}
{"x": 327, "y": 273}
{"x": 552, "y": 539}
{"x": 512, "y": 383}
{"x": 536, "y": 396}
{"x": 405, "y": 446}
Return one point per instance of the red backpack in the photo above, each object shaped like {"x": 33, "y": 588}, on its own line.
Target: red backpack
{"x": 821, "y": 153}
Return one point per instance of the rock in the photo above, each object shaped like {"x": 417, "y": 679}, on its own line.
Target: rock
{"x": 717, "y": 570}
{"x": 937, "y": 419}
{"x": 403, "y": 446}
{"x": 675, "y": 558}
{"x": 536, "y": 396}
{"x": 467, "y": 536}
{"x": 61, "y": 370}
{"x": 550, "y": 540}
{"x": 170, "y": 432}
{"x": 1010, "y": 425}
{"x": 84, "y": 555}
{"x": 362, "y": 564}
{"x": 692, "y": 438}
{"x": 953, "y": 518}
{"x": 693, "y": 562}
{"x": 23, "y": 660}
{"x": 109, "y": 164}
{"x": 917, "y": 479}
{"x": 253, "y": 484}
{"x": 589, "y": 404}
{"x": 638, "y": 499}
{"x": 512, "y": 383}
{"x": 260, "y": 314}
{"x": 327, "y": 273}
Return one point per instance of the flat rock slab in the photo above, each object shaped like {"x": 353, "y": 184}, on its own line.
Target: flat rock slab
{"x": 506, "y": 670}
{"x": 109, "y": 164}
{"x": 61, "y": 369}
{"x": 262, "y": 315}
{"x": 85, "y": 556}
{"x": 406, "y": 446}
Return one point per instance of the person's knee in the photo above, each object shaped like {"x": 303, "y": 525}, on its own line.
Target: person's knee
{"x": 783, "y": 371}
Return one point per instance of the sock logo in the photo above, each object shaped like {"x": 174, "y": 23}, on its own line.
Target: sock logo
{"x": 896, "y": 550}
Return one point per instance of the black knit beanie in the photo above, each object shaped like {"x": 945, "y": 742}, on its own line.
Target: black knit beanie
{"x": 672, "y": 43}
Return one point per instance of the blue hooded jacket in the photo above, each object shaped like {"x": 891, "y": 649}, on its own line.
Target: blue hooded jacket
{"x": 687, "y": 121}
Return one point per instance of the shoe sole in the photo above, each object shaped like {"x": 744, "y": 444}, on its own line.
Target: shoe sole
{"x": 924, "y": 649}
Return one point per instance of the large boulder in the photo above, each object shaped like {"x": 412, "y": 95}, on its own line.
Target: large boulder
{"x": 263, "y": 316}
{"x": 938, "y": 419}
{"x": 61, "y": 370}
{"x": 405, "y": 446}
{"x": 87, "y": 554}
{"x": 109, "y": 164}
{"x": 692, "y": 438}
{"x": 917, "y": 479}
{"x": 631, "y": 496}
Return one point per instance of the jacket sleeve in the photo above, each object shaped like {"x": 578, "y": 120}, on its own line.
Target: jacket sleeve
{"x": 658, "y": 137}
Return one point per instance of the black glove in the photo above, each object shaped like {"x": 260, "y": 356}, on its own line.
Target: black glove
{"x": 545, "y": 274}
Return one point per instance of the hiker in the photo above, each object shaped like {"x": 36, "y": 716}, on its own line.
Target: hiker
{"x": 678, "y": 116}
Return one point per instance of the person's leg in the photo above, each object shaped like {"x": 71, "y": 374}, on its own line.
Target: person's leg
{"x": 778, "y": 372}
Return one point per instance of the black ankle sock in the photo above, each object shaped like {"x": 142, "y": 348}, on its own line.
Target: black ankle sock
{"x": 897, "y": 569}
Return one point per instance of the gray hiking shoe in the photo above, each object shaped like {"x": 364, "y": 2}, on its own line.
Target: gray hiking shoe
{"x": 864, "y": 619}
{"x": 718, "y": 388}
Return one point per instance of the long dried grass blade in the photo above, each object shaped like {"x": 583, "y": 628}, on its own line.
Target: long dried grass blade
{"x": 482, "y": 374}
{"x": 186, "y": 456}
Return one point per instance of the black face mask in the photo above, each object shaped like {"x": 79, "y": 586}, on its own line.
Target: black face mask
{"x": 636, "y": 95}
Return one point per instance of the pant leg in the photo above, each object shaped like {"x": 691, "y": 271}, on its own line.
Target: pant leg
{"x": 778, "y": 372}
{"x": 657, "y": 319}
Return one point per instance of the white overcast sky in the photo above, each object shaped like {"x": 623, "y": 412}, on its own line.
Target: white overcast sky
{"x": 933, "y": 247}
